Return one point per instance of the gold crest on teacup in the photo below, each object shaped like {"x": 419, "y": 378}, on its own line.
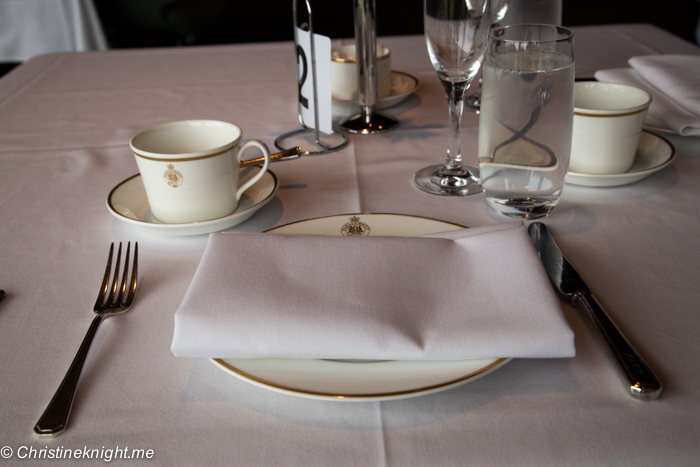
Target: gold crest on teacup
{"x": 172, "y": 177}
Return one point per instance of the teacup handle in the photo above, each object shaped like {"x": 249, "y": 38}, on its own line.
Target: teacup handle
{"x": 266, "y": 164}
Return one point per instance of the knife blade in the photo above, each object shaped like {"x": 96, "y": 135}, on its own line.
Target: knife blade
{"x": 641, "y": 382}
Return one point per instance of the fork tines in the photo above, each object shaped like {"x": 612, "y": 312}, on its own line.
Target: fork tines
{"x": 121, "y": 293}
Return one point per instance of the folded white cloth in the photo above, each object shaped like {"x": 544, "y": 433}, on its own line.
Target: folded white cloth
{"x": 678, "y": 76}
{"x": 481, "y": 292}
{"x": 674, "y": 83}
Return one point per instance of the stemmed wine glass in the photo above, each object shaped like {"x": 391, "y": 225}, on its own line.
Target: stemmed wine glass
{"x": 455, "y": 32}
{"x": 499, "y": 8}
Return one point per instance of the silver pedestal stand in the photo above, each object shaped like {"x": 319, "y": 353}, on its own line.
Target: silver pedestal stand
{"x": 310, "y": 140}
{"x": 368, "y": 121}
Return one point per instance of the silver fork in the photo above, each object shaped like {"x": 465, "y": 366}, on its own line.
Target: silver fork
{"x": 111, "y": 301}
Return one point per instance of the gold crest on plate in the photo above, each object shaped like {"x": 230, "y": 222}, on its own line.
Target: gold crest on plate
{"x": 354, "y": 228}
{"x": 172, "y": 177}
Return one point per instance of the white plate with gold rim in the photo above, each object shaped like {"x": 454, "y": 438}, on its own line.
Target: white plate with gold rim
{"x": 402, "y": 86}
{"x": 128, "y": 202}
{"x": 360, "y": 380}
{"x": 654, "y": 152}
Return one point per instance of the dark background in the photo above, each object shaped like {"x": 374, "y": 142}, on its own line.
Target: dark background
{"x": 149, "y": 23}
{"x": 167, "y": 23}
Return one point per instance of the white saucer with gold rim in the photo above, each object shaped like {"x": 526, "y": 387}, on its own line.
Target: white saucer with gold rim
{"x": 402, "y": 86}
{"x": 128, "y": 202}
{"x": 654, "y": 152}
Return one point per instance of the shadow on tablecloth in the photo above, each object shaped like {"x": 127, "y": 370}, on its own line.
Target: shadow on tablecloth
{"x": 520, "y": 377}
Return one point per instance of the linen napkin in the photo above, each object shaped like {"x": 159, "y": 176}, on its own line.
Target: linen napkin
{"x": 674, "y": 83}
{"x": 475, "y": 293}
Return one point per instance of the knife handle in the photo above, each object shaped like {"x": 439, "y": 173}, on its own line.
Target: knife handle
{"x": 643, "y": 384}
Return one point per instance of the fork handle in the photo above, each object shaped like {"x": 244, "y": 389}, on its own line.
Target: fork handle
{"x": 55, "y": 418}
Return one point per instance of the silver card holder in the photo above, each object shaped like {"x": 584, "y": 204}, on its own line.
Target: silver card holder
{"x": 309, "y": 139}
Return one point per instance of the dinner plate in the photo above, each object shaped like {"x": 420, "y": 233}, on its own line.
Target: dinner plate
{"x": 402, "y": 86}
{"x": 654, "y": 152}
{"x": 360, "y": 380}
{"x": 128, "y": 202}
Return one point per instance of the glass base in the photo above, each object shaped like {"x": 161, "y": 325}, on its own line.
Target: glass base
{"x": 523, "y": 208}
{"x": 369, "y": 124}
{"x": 439, "y": 181}
{"x": 305, "y": 138}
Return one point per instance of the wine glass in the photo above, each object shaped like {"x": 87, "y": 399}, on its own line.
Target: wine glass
{"x": 499, "y": 8}
{"x": 456, "y": 33}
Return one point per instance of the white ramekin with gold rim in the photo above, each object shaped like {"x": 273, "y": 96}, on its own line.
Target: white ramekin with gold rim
{"x": 608, "y": 119}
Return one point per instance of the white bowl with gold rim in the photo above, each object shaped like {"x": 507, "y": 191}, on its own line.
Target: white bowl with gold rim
{"x": 608, "y": 119}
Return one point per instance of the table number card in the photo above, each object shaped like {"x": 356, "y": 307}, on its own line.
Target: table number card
{"x": 322, "y": 52}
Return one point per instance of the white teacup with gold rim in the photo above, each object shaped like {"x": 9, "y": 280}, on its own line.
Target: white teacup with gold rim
{"x": 608, "y": 120}
{"x": 344, "y": 72}
{"x": 190, "y": 169}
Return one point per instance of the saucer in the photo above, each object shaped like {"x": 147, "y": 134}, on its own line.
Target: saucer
{"x": 402, "y": 86}
{"x": 128, "y": 202}
{"x": 654, "y": 152}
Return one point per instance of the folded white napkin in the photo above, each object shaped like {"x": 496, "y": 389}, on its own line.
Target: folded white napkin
{"x": 678, "y": 76}
{"x": 674, "y": 83}
{"x": 480, "y": 294}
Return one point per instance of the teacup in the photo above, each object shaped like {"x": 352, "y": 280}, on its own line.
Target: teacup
{"x": 344, "y": 72}
{"x": 608, "y": 120}
{"x": 190, "y": 169}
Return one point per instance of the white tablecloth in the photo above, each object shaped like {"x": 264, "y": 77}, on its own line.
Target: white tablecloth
{"x": 65, "y": 123}
{"x": 33, "y": 27}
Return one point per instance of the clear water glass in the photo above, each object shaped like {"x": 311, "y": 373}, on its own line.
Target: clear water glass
{"x": 456, "y": 33}
{"x": 526, "y": 120}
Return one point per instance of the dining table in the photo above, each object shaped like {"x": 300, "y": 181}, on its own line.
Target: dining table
{"x": 66, "y": 120}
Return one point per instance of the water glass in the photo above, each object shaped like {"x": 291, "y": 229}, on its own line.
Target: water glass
{"x": 526, "y": 120}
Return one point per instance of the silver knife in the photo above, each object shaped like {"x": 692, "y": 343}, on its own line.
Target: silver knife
{"x": 636, "y": 374}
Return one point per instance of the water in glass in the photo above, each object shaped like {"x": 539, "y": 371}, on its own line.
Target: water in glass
{"x": 525, "y": 128}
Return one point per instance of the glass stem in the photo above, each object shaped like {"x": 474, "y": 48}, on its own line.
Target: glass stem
{"x": 455, "y": 96}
